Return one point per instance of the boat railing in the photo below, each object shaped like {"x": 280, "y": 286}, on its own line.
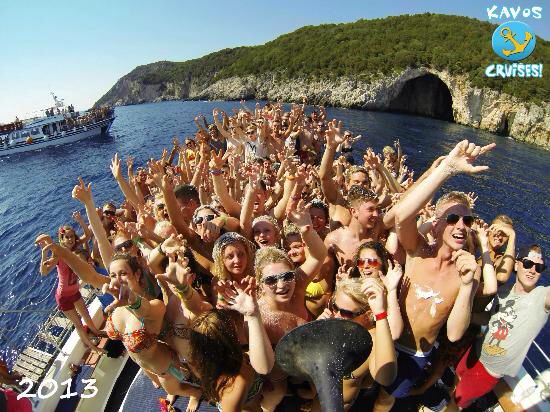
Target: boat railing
{"x": 35, "y": 360}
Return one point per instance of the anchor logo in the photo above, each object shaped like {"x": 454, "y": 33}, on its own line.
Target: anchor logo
{"x": 514, "y": 40}
{"x": 510, "y": 37}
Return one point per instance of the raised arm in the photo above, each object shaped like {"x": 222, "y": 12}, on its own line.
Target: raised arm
{"x": 87, "y": 234}
{"x": 123, "y": 184}
{"x": 459, "y": 318}
{"x": 232, "y": 207}
{"x": 383, "y": 365}
{"x": 244, "y": 301}
{"x": 391, "y": 282}
{"x": 459, "y": 160}
{"x": 334, "y": 138}
{"x": 299, "y": 215}
{"x": 487, "y": 270}
{"x": 83, "y": 193}
{"x": 79, "y": 266}
{"x": 46, "y": 263}
{"x": 504, "y": 265}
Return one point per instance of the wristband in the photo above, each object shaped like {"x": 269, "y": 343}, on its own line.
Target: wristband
{"x": 381, "y": 316}
{"x": 136, "y": 305}
{"x": 216, "y": 172}
{"x": 291, "y": 177}
{"x": 184, "y": 292}
{"x": 159, "y": 248}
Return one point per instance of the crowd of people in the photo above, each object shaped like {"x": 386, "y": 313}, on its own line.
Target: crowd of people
{"x": 268, "y": 219}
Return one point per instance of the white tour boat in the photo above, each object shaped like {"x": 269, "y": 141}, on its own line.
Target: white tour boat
{"x": 60, "y": 125}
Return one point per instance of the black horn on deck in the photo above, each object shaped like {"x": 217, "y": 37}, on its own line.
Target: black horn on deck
{"x": 324, "y": 351}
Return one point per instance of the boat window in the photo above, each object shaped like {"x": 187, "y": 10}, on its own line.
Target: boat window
{"x": 35, "y": 131}
{"x": 24, "y": 134}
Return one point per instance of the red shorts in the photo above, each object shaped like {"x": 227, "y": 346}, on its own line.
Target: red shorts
{"x": 474, "y": 381}
{"x": 67, "y": 302}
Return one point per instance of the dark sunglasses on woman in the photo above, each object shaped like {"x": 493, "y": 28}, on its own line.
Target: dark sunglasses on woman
{"x": 345, "y": 313}
{"x": 272, "y": 280}
{"x": 200, "y": 219}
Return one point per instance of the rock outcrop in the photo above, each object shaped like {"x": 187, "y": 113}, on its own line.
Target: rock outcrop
{"x": 421, "y": 90}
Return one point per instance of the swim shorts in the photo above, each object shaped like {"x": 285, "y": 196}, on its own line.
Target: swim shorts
{"x": 474, "y": 382}
{"x": 410, "y": 370}
{"x": 65, "y": 303}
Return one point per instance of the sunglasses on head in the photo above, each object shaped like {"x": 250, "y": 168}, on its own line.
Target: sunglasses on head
{"x": 272, "y": 280}
{"x": 127, "y": 244}
{"x": 528, "y": 264}
{"x": 200, "y": 219}
{"x": 368, "y": 262}
{"x": 452, "y": 219}
{"x": 345, "y": 313}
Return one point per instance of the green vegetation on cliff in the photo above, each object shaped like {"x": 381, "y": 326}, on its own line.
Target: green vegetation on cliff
{"x": 366, "y": 50}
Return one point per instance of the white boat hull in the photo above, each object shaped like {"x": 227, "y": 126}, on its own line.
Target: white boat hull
{"x": 70, "y": 136}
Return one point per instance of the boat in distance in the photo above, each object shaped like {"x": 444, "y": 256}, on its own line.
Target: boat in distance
{"x": 59, "y": 127}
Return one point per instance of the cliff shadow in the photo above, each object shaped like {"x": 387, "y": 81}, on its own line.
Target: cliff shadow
{"x": 424, "y": 96}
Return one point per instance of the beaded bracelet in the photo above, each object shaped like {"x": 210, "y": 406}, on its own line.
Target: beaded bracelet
{"x": 159, "y": 248}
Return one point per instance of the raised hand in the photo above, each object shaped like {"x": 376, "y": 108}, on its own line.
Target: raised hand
{"x": 115, "y": 167}
{"x": 344, "y": 272}
{"x": 130, "y": 162}
{"x": 77, "y": 216}
{"x": 299, "y": 215}
{"x": 216, "y": 159}
{"x": 334, "y": 133}
{"x": 242, "y": 301}
{"x": 82, "y": 192}
{"x": 43, "y": 240}
{"x": 178, "y": 273}
{"x": 371, "y": 160}
{"x": 326, "y": 314}
{"x": 157, "y": 172}
{"x": 392, "y": 278}
{"x": 376, "y": 294}
{"x": 462, "y": 157}
{"x": 466, "y": 264}
{"x": 472, "y": 199}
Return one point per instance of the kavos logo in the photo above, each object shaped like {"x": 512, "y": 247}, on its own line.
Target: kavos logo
{"x": 514, "y": 41}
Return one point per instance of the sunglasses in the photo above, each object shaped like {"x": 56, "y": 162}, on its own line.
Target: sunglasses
{"x": 109, "y": 213}
{"x": 272, "y": 280}
{"x": 124, "y": 245}
{"x": 452, "y": 219}
{"x": 200, "y": 219}
{"x": 250, "y": 132}
{"x": 345, "y": 313}
{"x": 368, "y": 262}
{"x": 160, "y": 206}
{"x": 528, "y": 264}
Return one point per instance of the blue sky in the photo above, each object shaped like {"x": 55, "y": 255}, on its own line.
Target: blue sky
{"x": 80, "y": 49}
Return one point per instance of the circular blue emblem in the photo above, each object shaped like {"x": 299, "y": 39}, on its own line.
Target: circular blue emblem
{"x": 514, "y": 40}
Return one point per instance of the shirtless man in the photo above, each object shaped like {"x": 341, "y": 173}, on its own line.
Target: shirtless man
{"x": 441, "y": 280}
{"x": 338, "y": 209}
{"x": 366, "y": 224}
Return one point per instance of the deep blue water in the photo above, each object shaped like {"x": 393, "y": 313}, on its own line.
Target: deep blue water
{"x": 35, "y": 189}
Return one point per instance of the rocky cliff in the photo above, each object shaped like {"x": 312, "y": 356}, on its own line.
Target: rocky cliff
{"x": 424, "y": 91}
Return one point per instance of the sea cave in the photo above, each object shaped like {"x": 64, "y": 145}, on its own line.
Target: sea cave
{"x": 424, "y": 96}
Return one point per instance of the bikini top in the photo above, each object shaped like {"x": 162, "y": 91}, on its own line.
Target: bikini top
{"x": 135, "y": 341}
